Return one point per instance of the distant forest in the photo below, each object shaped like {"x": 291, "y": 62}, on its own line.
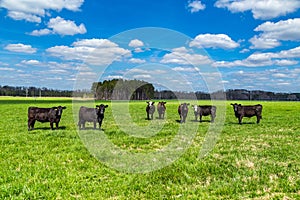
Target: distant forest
{"x": 33, "y": 92}
{"x": 118, "y": 89}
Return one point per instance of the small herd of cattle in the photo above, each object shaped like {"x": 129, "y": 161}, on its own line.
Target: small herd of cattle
{"x": 96, "y": 115}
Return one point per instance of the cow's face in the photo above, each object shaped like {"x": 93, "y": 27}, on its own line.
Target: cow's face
{"x": 163, "y": 103}
{"x": 235, "y": 107}
{"x": 101, "y": 108}
{"x": 184, "y": 107}
{"x": 150, "y": 103}
{"x": 195, "y": 107}
{"x": 59, "y": 110}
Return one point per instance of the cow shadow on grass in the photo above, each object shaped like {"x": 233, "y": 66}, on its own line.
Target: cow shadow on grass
{"x": 91, "y": 129}
{"x": 48, "y": 128}
{"x": 243, "y": 123}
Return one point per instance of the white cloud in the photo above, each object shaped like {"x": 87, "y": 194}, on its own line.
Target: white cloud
{"x": 60, "y": 26}
{"x": 185, "y": 69}
{"x": 31, "y": 62}
{"x": 21, "y": 48}
{"x": 137, "y": 60}
{"x": 65, "y": 27}
{"x": 213, "y": 41}
{"x": 261, "y": 9}
{"x": 263, "y": 43}
{"x": 32, "y": 10}
{"x": 21, "y": 15}
{"x": 273, "y": 33}
{"x": 6, "y": 69}
{"x": 41, "y": 32}
{"x": 195, "y": 6}
{"x": 181, "y": 56}
{"x": 93, "y": 51}
{"x": 136, "y": 43}
{"x": 142, "y": 76}
{"x": 281, "y": 58}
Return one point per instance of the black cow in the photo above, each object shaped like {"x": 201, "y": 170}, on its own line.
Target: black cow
{"x": 206, "y": 110}
{"x": 183, "y": 111}
{"x": 161, "y": 109}
{"x": 91, "y": 115}
{"x": 150, "y": 109}
{"x": 247, "y": 111}
{"x": 51, "y": 115}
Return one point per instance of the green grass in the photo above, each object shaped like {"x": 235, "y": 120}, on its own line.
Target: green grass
{"x": 249, "y": 161}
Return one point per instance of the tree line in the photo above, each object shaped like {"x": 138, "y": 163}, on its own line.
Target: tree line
{"x": 33, "y": 92}
{"x": 119, "y": 89}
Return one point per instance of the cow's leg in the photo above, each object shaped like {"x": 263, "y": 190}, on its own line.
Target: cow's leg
{"x": 240, "y": 119}
{"x": 100, "y": 124}
{"x": 56, "y": 123}
{"x": 51, "y": 125}
{"x": 95, "y": 124}
{"x": 213, "y": 118}
{"x": 200, "y": 118}
{"x": 258, "y": 119}
{"x": 31, "y": 124}
{"x": 148, "y": 116}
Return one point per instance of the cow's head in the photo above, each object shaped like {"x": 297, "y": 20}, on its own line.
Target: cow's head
{"x": 184, "y": 106}
{"x": 235, "y": 106}
{"x": 163, "y": 103}
{"x": 101, "y": 108}
{"x": 195, "y": 107}
{"x": 150, "y": 103}
{"x": 59, "y": 110}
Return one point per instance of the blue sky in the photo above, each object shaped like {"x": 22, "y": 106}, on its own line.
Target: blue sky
{"x": 180, "y": 45}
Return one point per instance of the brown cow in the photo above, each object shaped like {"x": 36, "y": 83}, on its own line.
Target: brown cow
{"x": 52, "y": 115}
{"x": 207, "y": 110}
{"x": 183, "y": 111}
{"x": 91, "y": 115}
{"x": 247, "y": 111}
{"x": 150, "y": 109}
{"x": 161, "y": 109}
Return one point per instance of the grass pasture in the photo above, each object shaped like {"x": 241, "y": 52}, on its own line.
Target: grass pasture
{"x": 249, "y": 161}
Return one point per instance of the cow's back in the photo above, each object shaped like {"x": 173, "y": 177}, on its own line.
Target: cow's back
{"x": 87, "y": 114}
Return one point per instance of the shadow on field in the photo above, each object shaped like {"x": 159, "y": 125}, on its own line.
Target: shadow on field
{"x": 243, "y": 123}
{"x": 90, "y": 128}
{"x": 48, "y": 128}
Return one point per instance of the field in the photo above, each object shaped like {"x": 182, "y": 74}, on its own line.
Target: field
{"x": 249, "y": 161}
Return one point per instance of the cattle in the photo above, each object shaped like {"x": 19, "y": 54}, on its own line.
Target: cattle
{"x": 91, "y": 115}
{"x": 247, "y": 111}
{"x": 161, "y": 109}
{"x": 183, "y": 111}
{"x": 196, "y": 111}
{"x": 52, "y": 115}
{"x": 150, "y": 109}
{"x": 206, "y": 110}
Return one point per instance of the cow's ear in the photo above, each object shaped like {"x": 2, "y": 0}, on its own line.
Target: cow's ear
{"x": 97, "y": 106}
{"x": 165, "y": 102}
{"x": 64, "y": 107}
{"x": 54, "y": 107}
{"x": 106, "y": 106}
{"x": 188, "y": 104}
